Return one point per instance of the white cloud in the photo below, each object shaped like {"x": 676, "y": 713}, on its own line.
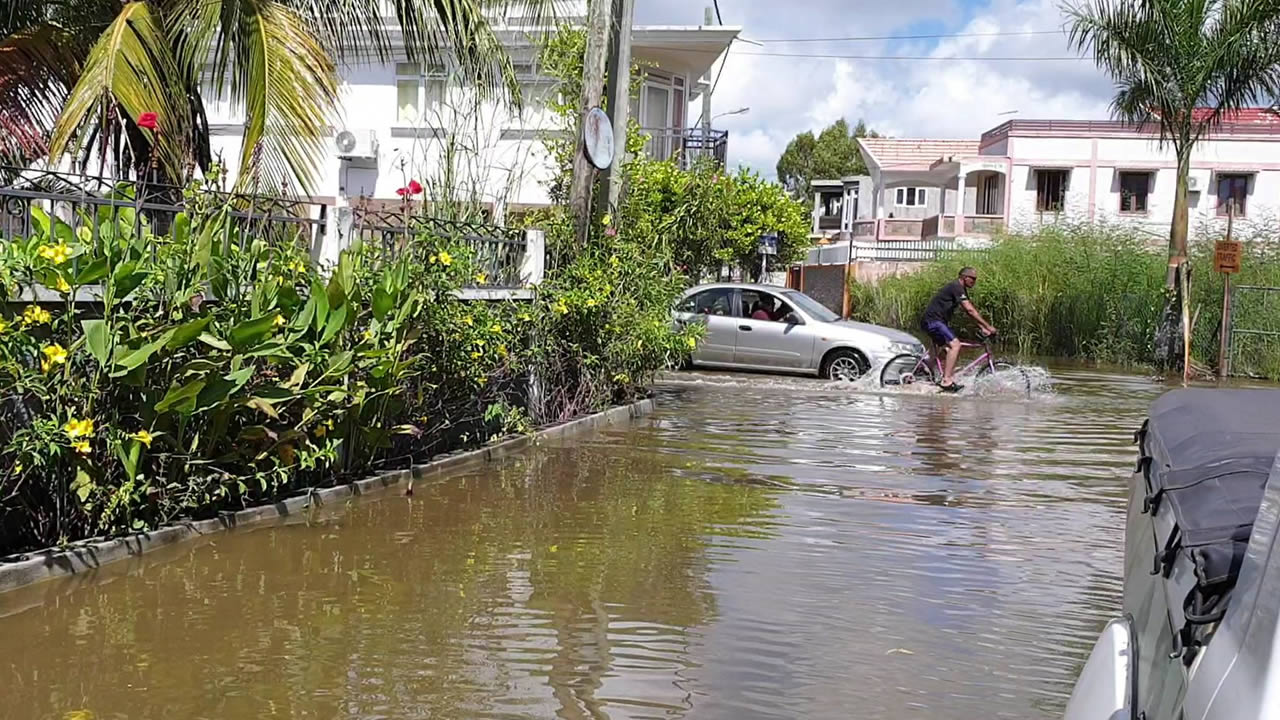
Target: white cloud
{"x": 927, "y": 98}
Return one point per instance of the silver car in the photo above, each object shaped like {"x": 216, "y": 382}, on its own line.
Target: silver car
{"x": 759, "y": 327}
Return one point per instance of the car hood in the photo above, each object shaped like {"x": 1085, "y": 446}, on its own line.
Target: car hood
{"x": 887, "y": 333}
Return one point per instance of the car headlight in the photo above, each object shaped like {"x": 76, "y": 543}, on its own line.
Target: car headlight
{"x": 909, "y": 348}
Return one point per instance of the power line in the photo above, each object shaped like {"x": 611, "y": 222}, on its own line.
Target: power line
{"x": 935, "y": 36}
{"x": 998, "y": 58}
{"x": 716, "y": 3}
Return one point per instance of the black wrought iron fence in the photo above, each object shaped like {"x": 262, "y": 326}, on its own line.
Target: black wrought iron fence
{"x": 497, "y": 253}
{"x": 82, "y": 208}
{"x": 88, "y": 206}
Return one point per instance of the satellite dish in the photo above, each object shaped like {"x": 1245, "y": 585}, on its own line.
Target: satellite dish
{"x": 597, "y": 134}
{"x": 345, "y": 141}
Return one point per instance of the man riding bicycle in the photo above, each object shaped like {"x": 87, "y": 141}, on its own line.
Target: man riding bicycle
{"x": 938, "y": 314}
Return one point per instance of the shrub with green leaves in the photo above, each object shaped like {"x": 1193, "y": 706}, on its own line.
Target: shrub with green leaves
{"x": 222, "y": 369}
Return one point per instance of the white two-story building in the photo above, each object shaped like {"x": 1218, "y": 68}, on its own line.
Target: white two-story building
{"x": 1026, "y": 173}
{"x": 401, "y": 121}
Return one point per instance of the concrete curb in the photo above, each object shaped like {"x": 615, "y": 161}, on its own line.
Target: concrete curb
{"x": 88, "y": 556}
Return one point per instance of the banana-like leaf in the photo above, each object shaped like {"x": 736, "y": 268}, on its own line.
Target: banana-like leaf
{"x": 131, "y": 65}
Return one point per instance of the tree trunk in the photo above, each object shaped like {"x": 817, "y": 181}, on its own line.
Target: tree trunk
{"x": 1167, "y": 346}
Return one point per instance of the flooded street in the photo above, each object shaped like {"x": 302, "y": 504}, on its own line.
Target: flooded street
{"x": 758, "y": 548}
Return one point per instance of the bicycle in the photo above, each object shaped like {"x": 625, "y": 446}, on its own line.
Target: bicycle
{"x": 908, "y": 368}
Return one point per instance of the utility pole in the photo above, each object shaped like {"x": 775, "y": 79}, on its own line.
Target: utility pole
{"x": 706, "y": 94}
{"x": 592, "y": 93}
{"x": 619, "y": 94}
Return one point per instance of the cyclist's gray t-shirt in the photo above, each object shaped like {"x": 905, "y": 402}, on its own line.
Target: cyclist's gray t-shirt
{"x": 944, "y": 303}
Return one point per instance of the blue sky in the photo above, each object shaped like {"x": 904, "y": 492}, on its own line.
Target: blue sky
{"x": 949, "y": 97}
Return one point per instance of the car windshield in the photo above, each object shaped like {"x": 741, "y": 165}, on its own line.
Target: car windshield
{"x": 811, "y": 307}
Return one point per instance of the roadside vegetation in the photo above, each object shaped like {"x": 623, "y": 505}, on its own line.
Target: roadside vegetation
{"x": 1094, "y": 292}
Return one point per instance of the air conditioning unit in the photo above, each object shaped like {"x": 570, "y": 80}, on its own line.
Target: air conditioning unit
{"x": 1193, "y": 183}
{"x": 356, "y": 145}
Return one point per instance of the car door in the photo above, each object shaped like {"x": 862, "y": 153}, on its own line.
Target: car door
{"x": 771, "y": 344}
{"x": 714, "y": 309}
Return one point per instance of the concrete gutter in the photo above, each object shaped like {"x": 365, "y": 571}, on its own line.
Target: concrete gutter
{"x": 87, "y": 556}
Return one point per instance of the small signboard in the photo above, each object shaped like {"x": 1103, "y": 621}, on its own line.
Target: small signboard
{"x": 1226, "y": 256}
{"x": 768, "y": 245}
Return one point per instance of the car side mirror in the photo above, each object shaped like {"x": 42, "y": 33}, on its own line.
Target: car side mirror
{"x": 792, "y": 319}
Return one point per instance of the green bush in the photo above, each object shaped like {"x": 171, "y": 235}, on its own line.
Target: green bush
{"x": 223, "y": 369}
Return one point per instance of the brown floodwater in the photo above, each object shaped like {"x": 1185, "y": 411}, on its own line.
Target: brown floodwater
{"x": 758, "y": 548}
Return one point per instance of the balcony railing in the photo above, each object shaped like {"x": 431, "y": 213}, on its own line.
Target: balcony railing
{"x": 688, "y": 144}
{"x": 828, "y": 222}
{"x": 935, "y": 226}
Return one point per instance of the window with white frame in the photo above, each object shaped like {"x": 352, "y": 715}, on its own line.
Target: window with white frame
{"x": 419, "y": 93}
{"x": 910, "y": 197}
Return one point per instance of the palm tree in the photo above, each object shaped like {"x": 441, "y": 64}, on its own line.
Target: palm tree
{"x": 1186, "y": 65}
{"x": 75, "y": 75}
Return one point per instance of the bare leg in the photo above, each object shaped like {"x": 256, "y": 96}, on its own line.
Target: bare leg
{"x": 949, "y": 363}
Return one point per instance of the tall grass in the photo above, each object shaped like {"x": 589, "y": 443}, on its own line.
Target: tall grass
{"x": 1093, "y": 292}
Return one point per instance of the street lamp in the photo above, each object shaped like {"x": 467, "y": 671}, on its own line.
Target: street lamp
{"x": 739, "y": 111}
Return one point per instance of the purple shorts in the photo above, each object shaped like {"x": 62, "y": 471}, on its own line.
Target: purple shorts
{"x": 939, "y": 331}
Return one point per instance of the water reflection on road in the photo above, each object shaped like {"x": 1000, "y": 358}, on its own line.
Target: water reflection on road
{"x": 760, "y": 548}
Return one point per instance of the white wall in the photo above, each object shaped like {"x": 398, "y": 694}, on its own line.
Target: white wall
{"x": 1100, "y": 161}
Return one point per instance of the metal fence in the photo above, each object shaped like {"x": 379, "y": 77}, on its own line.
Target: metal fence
{"x": 84, "y": 207}
{"x": 888, "y": 251}
{"x": 1253, "y": 336}
{"x": 689, "y": 145}
{"x": 497, "y": 253}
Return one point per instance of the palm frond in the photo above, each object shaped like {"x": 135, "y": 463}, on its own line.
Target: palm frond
{"x": 131, "y": 67}
{"x": 36, "y": 71}
{"x": 264, "y": 56}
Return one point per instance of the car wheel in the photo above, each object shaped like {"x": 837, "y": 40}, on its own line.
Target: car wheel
{"x": 844, "y": 364}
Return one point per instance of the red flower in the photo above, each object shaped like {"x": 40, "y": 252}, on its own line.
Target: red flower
{"x": 415, "y": 188}
{"x": 403, "y": 192}
{"x": 148, "y": 120}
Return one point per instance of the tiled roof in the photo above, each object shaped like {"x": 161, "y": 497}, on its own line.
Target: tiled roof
{"x": 889, "y": 152}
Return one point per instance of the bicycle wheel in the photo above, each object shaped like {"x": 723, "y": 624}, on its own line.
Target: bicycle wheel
{"x": 1016, "y": 377}
{"x": 903, "y": 370}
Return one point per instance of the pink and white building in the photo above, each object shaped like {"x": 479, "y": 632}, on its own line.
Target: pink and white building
{"x": 1026, "y": 173}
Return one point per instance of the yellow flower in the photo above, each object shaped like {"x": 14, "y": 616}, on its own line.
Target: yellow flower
{"x": 502, "y": 350}
{"x": 63, "y": 286}
{"x": 78, "y": 428}
{"x": 368, "y": 334}
{"x": 692, "y": 343}
{"x": 445, "y": 258}
{"x": 18, "y": 468}
{"x": 35, "y": 315}
{"x": 432, "y": 259}
{"x": 496, "y": 328}
{"x": 613, "y": 260}
{"x": 321, "y": 431}
{"x": 56, "y": 254}
{"x": 480, "y": 278}
{"x": 54, "y": 354}
{"x": 4, "y": 325}
{"x": 468, "y": 321}
{"x": 482, "y": 380}
{"x": 143, "y": 437}
{"x": 475, "y": 355}
{"x": 560, "y": 307}
{"x": 82, "y": 447}
{"x": 280, "y": 321}
{"x": 607, "y": 220}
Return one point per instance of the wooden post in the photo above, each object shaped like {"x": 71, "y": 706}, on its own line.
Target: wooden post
{"x": 1186, "y": 321}
{"x": 1224, "y": 333}
{"x": 584, "y": 173}
{"x": 619, "y": 94}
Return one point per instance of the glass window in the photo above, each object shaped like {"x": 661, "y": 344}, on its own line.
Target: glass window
{"x": 757, "y": 305}
{"x": 911, "y": 197}
{"x": 1233, "y": 191}
{"x": 716, "y": 301}
{"x": 1134, "y": 188}
{"x": 407, "y": 101}
{"x": 811, "y": 307}
{"x": 1051, "y": 190}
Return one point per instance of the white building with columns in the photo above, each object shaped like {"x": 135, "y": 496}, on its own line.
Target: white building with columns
{"x": 1026, "y": 173}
